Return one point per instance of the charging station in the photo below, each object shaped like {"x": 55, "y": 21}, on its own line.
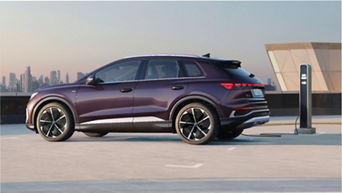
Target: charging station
{"x": 305, "y": 106}
{"x": 305, "y": 98}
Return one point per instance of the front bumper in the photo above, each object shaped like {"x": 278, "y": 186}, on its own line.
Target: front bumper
{"x": 31, "y": 127}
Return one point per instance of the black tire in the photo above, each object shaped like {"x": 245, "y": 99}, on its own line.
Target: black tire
{"x": 92, "y": 134}
{"x": 199, "y": 129}
{"x": 229, "y": 134}
{"x": 55, "y": 122}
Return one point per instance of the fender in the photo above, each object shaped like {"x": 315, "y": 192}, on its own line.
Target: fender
{"x": 55, "y": 98}
{"x": 172, "y": 112}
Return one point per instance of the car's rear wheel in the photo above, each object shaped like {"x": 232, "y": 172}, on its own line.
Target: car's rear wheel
{"x": 93, "y": 134}
{"x": 197, "y": 124}
{"x": 229, "y": 134}
{"x": 54, "y": 122}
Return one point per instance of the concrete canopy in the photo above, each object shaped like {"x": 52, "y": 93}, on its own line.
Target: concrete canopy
{"x": 325, "y": 59}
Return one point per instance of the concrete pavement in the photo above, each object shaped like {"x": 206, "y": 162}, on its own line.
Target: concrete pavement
{"x": 135, "y": 162}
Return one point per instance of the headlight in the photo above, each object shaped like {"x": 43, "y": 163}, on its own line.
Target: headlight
{"x": 33, "y": 95}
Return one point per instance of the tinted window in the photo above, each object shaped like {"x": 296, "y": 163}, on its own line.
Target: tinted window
{"x": 119, "y": 72}
{"x": 191, "y": 69}
{"x": 238, "y": 74}
{"x": 161, "y": 69}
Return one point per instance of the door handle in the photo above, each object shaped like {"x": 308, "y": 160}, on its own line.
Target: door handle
{"x": 126, "y": 90}
{"x": 177, "y": 87}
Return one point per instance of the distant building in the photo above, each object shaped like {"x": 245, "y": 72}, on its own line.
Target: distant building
{"x": 3, "y": 87}
{"x": 3, "y": 81}
{"x": 28, "y": 80}
{"x": 67, "y": 78}
{"x": 270, "y": 85}
{"x": 41, "y": 80}
{"x": 58, "y": 76}
{"x": 46, "y": 81}
{"x": 22, "y": 82}
{"x": 325, "y": 59}
{"x": 53, "y": 78}
{"x": 12, "y": 85}
{"x": 80, "y": 75}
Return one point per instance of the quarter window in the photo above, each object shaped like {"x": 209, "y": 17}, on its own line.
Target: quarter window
{"x": 161, "y": 69}
{"x": 192, "y": 69}
{"x": 119, "y": 72}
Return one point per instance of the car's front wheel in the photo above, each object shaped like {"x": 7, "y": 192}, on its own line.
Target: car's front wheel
{"x": 197, "y": 123}
{"x": 93, "y": 134}
{"x": 54, "y": 122}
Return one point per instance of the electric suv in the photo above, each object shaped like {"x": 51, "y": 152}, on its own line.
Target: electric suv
{"x": 199, "y": 98}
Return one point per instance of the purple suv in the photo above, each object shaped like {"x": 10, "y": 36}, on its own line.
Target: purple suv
{"x": 200, "y": 98}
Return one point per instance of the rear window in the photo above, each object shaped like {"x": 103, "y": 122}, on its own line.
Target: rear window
{"x": 191, "y": 69}
{"x": 237, "y": 73}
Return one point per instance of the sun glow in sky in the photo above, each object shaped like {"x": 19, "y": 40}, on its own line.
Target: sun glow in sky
{"x": 81, "y": 36}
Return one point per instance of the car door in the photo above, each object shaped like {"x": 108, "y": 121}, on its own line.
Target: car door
{"x": 160, "y": 86}
{"x": 110, "y": 101}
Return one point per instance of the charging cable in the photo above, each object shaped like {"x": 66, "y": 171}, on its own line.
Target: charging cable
{"x": 296, "y": 129}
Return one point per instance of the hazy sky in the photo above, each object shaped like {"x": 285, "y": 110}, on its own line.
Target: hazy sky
{"x": 81, "y": 36}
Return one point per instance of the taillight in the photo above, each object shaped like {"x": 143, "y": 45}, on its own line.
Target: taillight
{"x": 230, "y": 86}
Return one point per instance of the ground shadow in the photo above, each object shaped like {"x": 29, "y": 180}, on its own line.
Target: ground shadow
{"x": 321, "y": 139}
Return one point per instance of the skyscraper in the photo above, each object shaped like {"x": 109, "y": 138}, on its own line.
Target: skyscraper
{"x": 3, "y": 81}
{"x": 53, "y": 77}
{"x": 41, "y": 80}
{"x": 22, "y": 82}
{"x": 46, "y": 80}
{"x": 67, "y": 78}
{"x": 58, "y": 76}
{"x": 28, "y": 80}
{"x": 12, "y": 86}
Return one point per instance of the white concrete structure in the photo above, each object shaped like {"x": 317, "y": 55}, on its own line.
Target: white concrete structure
{"x": 325, "y": 59}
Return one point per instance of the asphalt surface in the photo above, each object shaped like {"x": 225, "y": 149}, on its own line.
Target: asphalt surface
{"x": 145, "y": 162}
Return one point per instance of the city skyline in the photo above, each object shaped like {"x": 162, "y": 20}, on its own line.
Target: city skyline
{"x": 82, "y": 36}
{"x": 27, "y": 83}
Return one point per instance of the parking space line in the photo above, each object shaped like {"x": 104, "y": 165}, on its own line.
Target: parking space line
{"x": 231, "y": 148}
{"x": 9, "y": 138}
{"x": 184, "y": 166}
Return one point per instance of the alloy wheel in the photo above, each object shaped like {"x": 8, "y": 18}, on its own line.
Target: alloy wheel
{"x": 52, "y": 122}
{"x": 195, "y": 124}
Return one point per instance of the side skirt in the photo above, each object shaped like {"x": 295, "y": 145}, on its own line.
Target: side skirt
{"x": 153, "y": 127}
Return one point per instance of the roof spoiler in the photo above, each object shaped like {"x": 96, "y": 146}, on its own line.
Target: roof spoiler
{"x": 229, "y": 63}
{"x": 225, "y": 63}
{"x": 206, "y": 55}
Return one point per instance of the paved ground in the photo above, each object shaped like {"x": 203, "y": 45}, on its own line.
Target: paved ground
{"x": 124, "y": 162}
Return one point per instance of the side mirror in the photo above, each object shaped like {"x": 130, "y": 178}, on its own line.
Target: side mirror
{"x": 91, "y": 80}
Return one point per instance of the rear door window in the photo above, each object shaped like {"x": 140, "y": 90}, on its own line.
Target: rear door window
{"x": 162, "y": 69}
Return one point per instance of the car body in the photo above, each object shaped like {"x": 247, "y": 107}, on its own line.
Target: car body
{"x": 146, "y": 94}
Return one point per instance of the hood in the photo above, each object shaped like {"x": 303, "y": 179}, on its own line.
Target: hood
{"x": 59, "y": 86}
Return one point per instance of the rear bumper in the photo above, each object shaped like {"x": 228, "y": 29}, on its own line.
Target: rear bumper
{"x": 253, "y": 122}
{"x": 247, "y": 114}
{"x": 257, "y": 116}
{"x": 244, "y": 122}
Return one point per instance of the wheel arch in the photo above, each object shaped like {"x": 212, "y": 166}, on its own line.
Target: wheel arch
{"x": 51, "y": 99}
{"x": 187, "y": 100}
